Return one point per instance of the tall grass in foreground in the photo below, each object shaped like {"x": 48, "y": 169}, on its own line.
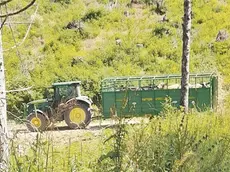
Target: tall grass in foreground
{"x": 174, "y": 142}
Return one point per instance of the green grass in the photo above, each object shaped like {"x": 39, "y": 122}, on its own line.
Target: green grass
{"x": 171, "y": 142}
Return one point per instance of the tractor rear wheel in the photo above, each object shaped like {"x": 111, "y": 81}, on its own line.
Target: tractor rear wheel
{"x": 37, "y": 122}
{"x": 78, "y": 116}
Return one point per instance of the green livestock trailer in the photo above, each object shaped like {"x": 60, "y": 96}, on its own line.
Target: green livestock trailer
{"x": 145, "y": 95}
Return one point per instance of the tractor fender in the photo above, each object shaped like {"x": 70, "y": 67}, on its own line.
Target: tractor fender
{"x": 41, "y": 112}
{"x": 81, "y": 99}
{"x": 84, "y": 99}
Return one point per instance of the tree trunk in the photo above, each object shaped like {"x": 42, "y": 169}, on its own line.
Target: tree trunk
{"x": 4, "y": 149}
{"x": 185, "y": 55}
{"x": 4, "y": 154}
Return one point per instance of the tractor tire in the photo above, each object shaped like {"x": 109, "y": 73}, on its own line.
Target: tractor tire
{"x": 37, "y": 122}
{"x": 78, "y": 116}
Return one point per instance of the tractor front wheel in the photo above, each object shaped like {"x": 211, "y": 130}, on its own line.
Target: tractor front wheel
{"x": 79, "y": 116}
{"x": 37, "y": 122}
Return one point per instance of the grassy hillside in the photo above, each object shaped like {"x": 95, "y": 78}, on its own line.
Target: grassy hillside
{"x": 88, "y": 40}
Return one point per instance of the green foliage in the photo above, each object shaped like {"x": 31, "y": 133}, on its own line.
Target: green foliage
{"x": 93, "y": 14}
{"x": 177, "y": 142}
{"x": 116, "y": 152}
{"x": 49, "y": 50}
{"x": 44, "y": 155}
{"x": 63, "y": 1}
{"x": 15, "y": 99}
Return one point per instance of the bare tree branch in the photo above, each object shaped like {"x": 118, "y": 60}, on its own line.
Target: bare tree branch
{"x": 18, "y": 53}
{"x": 4, "y": 2}
{"x": 3, "y": 22}
{"x": 16, "y": 23}
{"x": 19, "y": 11}
{"x": 18, "y": 90}
{"x": 27, "y": 33}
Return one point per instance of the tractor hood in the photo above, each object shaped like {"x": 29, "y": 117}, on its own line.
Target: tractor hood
{"x": 36, "y": 105}
{"x": 40, "y": 101}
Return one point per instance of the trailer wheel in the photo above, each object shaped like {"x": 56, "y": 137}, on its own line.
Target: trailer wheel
{"x": 36, "y": 122}
{"x": 78, "y": 116}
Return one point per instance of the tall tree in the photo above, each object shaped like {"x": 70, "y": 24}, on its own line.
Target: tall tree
{"x": 187, "y": 22}
{"x": 4, "y": 152}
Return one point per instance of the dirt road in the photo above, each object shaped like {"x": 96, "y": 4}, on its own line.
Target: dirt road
{"x": 61, "y": 135}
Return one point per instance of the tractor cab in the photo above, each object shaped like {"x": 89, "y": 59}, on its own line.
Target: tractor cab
{"x": 63, "y": 91}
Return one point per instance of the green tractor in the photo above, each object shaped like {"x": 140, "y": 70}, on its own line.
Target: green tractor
{"x": 63, "y": 102}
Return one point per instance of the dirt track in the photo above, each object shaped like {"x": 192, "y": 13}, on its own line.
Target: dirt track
{"x": 60, "y": 135}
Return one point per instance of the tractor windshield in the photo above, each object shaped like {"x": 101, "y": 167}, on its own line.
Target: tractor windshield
{"x": 63, "y": 93}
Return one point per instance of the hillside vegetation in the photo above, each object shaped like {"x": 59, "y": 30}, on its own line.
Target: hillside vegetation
{"x": 88, "y": 40}
{"x": 173, "y": 142}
